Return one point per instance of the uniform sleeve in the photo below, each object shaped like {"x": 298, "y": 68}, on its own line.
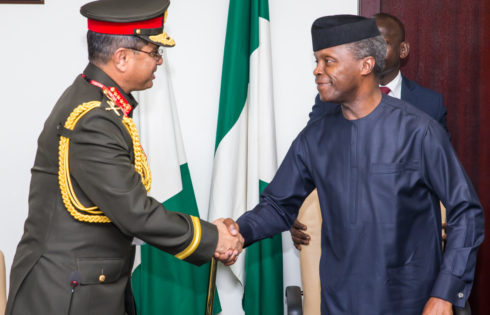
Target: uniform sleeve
{"x": 101, "y": 165}
{"x": 280, "y": 201}
{"x": 444, "y": 174}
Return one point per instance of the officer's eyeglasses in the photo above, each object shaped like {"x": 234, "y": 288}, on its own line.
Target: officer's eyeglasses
{"x": 155, "y": 54}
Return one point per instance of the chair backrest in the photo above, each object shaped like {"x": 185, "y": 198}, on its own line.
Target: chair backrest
{"x": 3, "y": 289}
{"x": 310, "y": 215}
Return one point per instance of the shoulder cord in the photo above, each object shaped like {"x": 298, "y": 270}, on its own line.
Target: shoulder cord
{"x": 70, "y": 200}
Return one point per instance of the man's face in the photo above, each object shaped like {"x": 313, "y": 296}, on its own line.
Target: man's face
{"x": 142, "y": 68}
{"x": 337, "y": 74}
{"x": 391, "y": 33}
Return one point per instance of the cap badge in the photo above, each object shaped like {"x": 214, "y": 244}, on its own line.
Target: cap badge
{"x": 163, "y": 38}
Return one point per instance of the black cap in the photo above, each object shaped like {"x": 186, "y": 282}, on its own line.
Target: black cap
{"x": 142, "y": 18}
{"x": 334, "y": 30}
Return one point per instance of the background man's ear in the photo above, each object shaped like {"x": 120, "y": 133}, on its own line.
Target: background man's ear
{"x": 404, "y": 49}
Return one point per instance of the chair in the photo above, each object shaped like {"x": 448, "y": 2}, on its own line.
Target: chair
{"x": 3, "y": 290}
{"x": 308, "y": 301}
{"x": 309, "y": 256}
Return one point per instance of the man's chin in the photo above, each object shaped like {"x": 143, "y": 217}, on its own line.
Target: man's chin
{"x": 148, "y": 85}
{"x": 325, "y": 92}
{"x": 326, "y": 98}
{"x": 145, "y": 87}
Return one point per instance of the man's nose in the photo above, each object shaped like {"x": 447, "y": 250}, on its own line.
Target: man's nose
{"x": 318, "y": 70}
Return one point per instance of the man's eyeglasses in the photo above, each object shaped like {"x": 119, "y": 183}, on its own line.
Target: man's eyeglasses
{"x": 155, "y": 54}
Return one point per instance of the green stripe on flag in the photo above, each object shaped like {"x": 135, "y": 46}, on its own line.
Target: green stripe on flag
{"x": 264, "y": 280}
{"x": 185, "y": 200}
{"x": 163, "y": 284}
{"x": 242, "y": 38}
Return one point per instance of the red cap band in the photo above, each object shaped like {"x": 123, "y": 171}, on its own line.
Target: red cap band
{"x": 123, "y": 28}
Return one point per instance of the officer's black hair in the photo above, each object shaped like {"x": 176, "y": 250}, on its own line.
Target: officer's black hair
{"x": 102, "y": 46}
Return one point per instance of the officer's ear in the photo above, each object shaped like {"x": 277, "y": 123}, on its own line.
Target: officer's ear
{"x": 120, "y": 58}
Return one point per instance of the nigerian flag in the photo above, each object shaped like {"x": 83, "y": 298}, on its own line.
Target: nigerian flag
{"x": 245, "y": 152}
{"x": 163, "y": 284}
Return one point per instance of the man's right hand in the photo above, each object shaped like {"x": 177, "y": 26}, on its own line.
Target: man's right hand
{"x": 299, "y": 237}
{"x": 230, "y": 241}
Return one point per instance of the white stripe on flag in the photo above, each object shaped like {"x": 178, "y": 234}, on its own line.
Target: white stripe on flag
{"x": 160, "y": 135}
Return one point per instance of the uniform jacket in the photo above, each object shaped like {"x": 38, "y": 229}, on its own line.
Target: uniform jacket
{"x": 424, "y": 99}
{"x": 379, "y": 180}
{"x": 56, "y": 248}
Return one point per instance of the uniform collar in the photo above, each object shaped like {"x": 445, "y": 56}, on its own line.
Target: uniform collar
{"x": 96, "y": 74}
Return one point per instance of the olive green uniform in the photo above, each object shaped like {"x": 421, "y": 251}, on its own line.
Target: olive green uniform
{"x": 55, "y": 245}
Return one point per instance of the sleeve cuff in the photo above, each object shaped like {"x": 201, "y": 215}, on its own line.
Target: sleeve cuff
{"x": 245, "y": 230}
{"x": 451, "y": 288}
{"x": 207, "y": 245}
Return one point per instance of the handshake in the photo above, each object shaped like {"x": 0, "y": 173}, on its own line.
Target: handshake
{"x": 230, "y": 241}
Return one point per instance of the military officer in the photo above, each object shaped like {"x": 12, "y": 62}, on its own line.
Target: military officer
{"x": 88, "y": 193}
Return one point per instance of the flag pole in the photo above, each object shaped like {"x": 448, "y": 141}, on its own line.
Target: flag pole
{"x": 211, "y": 287}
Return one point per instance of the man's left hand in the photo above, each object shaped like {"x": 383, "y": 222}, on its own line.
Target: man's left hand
{"x": 436, "y": 306}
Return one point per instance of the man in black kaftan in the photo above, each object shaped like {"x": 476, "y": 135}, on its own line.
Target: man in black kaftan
{"x": 381, "y": 166}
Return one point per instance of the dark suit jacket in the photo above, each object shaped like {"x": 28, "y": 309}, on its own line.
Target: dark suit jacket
{"x": 424, "y": 99}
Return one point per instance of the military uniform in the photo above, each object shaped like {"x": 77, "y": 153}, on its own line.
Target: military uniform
{"x": 88, "y": 199}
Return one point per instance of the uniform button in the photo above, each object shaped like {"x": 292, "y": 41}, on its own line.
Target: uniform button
{"x": 101, "y": 278}
{"x": 460, "y": 295}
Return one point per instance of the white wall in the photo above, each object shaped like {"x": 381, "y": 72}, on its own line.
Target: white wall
{"x": 44, "y": 49}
